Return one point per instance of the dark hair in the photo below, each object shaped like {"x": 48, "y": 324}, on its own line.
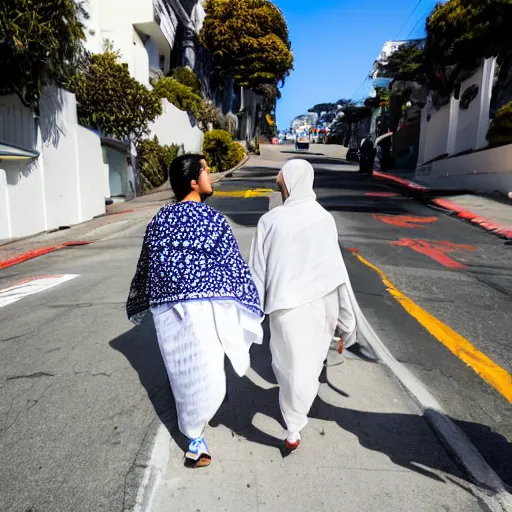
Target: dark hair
{"x": 183, "y": 170}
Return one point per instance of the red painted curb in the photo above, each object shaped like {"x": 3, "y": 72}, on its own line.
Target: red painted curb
{"x": 488, "y": 225}
{"x": 29, "y": 255}
{"x": 400, "y": 181}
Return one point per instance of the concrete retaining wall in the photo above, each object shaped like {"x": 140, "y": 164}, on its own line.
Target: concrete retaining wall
{"x": 176, "y": 127}
{"x": 488, "y": 170}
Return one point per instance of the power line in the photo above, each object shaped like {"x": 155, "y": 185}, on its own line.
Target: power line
{"x": 425, "y": 14}
{"x": 404, "y": 25}
{"x": 410, "y": 16}
{"x": 362, "y": 84}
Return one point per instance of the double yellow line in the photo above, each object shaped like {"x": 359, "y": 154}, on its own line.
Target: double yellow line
{"x": 492, "y": 373}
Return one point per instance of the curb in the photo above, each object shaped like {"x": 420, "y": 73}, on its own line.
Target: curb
{"x": 490, "y": 488}
{"x": 35, "y": 253}
{"x": 228, "y": 174}
{"x": 460, "y": 212}
{"x": 488, "y": 225}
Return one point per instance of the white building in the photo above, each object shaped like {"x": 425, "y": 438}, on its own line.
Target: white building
{"x": 145, "y": 32}
{"x": 453, "y": 151}
{"x": 54, "y": 172}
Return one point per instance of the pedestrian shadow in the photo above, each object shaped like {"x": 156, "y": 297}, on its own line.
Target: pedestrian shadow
{"x": 140, "y": 347}
{"x": 406, "y": 439}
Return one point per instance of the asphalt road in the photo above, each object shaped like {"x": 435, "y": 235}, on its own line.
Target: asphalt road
{"x": 82, "y": 392}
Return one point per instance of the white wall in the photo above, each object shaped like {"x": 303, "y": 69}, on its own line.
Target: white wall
{"x": 25, "y": 198}
{"x": 65, "y": 185}
{"x": 175, "y": 127}
{"x": 489, "y": 170}
{"x": 60, "y": 157}
{"x": 437, "y": 135}
{"x": 5, "y": 223}
{"x": 93, "y": 177}
{"x": 467, "y": 126}
{"x": 452, "y": 130}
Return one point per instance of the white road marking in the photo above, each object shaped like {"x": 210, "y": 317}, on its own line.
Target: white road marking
{"x": 31, "y": 286}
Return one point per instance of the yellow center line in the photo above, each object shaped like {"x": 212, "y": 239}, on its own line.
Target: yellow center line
{"x": 492, "y": 373}
{"x": 246, "y": 194}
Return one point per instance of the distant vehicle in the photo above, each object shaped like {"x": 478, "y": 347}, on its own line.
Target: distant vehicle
{"x": 290, "y": 137}
{"x": 302, "y": 138}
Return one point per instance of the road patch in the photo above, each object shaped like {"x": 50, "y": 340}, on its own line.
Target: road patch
{"x": 438, "y": 251}
{"x": 405, "y": 221}
{"x": 31, "y": 287}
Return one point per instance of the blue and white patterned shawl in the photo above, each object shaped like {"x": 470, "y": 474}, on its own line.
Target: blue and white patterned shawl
{"x": 190, "y": 253}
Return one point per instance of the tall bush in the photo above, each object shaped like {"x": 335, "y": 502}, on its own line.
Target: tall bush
{"x": 110, "y": 99}
{"x": 187, "y": 77}
{"x": 153, "y": 161}
{"x": 221, "y": 152}
{"x": 181, "y": 96}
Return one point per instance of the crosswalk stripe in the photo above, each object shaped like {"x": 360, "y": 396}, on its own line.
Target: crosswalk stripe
{"x": 32, "y": 286}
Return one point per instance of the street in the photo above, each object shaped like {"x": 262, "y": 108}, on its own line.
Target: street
{"x": 84, "y": 394}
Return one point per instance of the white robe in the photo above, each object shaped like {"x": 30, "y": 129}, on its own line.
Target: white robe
{"x": 193, "y": 338}
{"x": 303, "y": 284}
{"x": 295, "y": 256}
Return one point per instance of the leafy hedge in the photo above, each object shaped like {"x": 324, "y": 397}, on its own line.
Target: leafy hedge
{"x": 186, "y": 76}
{"x": 153, "y": 161}
{"x": 110, "y": 99}
{"x": 181, "y": 96}
{"x": 500, "y": 131}
{"x": 221, "y": 152}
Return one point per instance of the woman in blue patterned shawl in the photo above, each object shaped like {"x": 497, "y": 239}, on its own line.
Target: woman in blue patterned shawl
{"x": 204, "y": 302}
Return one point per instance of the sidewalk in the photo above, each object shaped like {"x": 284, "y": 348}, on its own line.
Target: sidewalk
{"x": 491, "y": 212}
{"x": 365, "y": 448}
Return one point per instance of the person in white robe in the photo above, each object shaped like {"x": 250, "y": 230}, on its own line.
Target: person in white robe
{"x": 304, "y": 287}
{"x": 204, "y": 302}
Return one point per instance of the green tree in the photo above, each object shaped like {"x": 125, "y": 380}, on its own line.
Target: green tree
{"x": 248, "y": 40}
{"x": 407, "y": 63}
{"x": 111, "y": 100}
{"x": 460, "y": 33}
{"x": 40, "y": 44}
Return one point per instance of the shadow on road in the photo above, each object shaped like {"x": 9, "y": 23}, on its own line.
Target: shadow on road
{"x": 405, "y": 438}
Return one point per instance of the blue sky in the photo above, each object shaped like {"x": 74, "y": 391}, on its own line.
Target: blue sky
{"x": 335, "y": 43}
